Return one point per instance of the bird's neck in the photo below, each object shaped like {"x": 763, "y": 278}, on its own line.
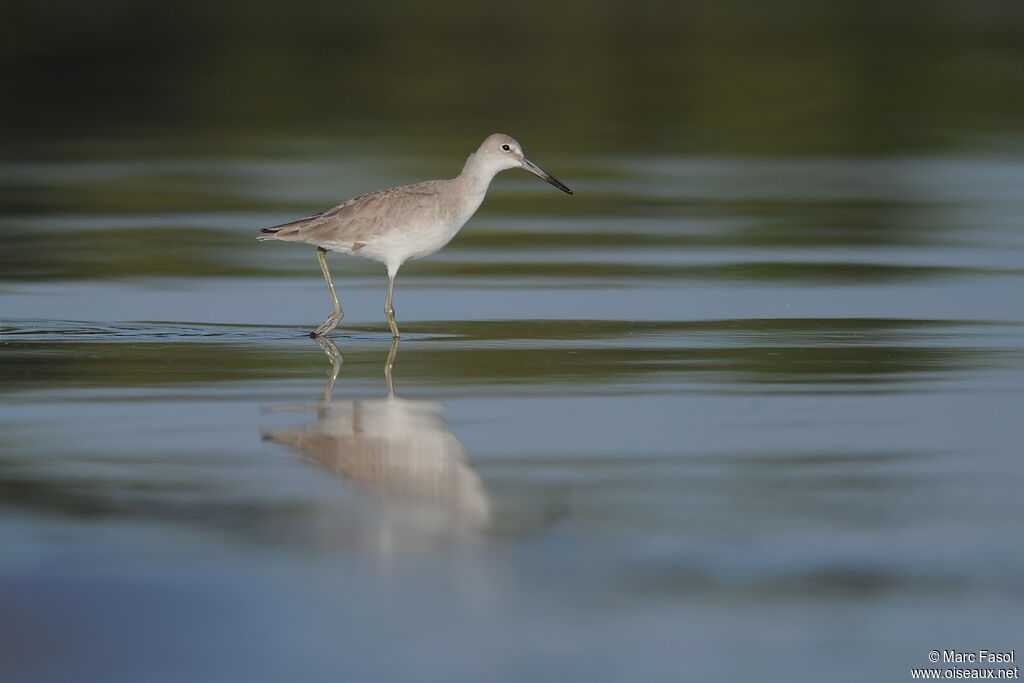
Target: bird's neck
{"x": 475, "y": 176}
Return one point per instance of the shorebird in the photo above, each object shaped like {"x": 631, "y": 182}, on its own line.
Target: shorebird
{"x": 404, "y": 222}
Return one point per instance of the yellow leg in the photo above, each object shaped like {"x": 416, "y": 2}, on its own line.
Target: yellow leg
{"x": 389, "y": 310}
{"x": 336, "y": 313}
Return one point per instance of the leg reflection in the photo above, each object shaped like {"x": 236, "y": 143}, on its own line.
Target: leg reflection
{"x": 334, "y": 356}
{"x": 390, "y": 364}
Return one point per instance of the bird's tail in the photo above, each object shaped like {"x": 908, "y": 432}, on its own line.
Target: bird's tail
{"x": 271, "y": 233}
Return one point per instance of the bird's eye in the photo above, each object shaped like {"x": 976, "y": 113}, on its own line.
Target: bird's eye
{"x": 506, "y": 148}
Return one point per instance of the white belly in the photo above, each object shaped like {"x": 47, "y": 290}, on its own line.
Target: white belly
{"x": 416, "y": 239}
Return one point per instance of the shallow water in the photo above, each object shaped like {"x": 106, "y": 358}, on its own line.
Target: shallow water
{"x": 712, "y": 418}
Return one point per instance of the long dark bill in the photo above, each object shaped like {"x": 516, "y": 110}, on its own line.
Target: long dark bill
{"x": 541, "y": 173}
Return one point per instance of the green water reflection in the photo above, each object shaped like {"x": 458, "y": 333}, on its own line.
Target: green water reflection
{"x": 839, "y": 353}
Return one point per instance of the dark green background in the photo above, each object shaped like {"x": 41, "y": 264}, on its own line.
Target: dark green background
{"x": 786, "y": 77}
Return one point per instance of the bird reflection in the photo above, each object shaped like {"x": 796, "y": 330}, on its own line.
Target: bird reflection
{"x": 399, "y": 449}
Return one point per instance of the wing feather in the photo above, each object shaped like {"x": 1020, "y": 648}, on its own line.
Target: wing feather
{"x": 360, "y": 219}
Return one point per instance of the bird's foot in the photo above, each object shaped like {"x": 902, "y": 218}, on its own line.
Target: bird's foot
{"x": 326, "y": 327}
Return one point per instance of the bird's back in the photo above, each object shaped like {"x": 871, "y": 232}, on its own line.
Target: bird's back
{"x": 367, "y": 219}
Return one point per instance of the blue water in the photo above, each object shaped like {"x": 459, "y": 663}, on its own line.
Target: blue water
{"x": 720, "y": 419}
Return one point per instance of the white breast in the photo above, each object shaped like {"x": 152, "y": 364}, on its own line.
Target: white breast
{"x": 425, "y": 231}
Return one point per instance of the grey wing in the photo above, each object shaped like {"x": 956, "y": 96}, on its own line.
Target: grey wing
{"x": 327, "y": 226}
{"x": 360, "y": 219}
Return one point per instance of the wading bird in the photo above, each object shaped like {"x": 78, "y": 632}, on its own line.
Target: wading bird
{"x": 404, "y": 222}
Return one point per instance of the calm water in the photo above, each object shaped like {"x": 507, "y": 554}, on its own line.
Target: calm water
{"x": 747, "y": 407}
{"x": 725, "y": 418}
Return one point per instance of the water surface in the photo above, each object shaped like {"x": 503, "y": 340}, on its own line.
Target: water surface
{"x": 765, "y": 407}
